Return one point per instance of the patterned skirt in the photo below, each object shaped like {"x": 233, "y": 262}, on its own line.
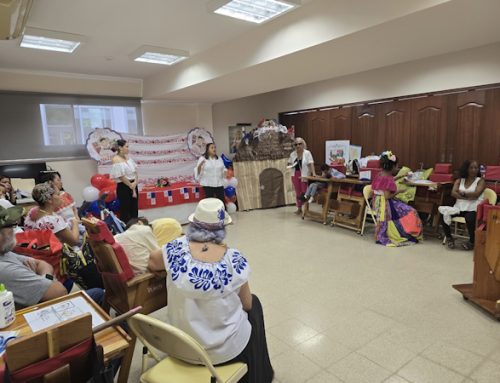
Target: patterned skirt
{"x": 398, "y": 223}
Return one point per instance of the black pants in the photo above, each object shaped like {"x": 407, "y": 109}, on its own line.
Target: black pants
{"x": 470, "y": 221}
{"x": 128, "y": 204}
{"x": 217, "y": 192}
{"x": 255, "y": 354}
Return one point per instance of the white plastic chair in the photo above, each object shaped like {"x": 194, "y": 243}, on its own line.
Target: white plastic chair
{"x": 187, "y": 361}
{"x": 367, "y": 192}
{"x": 490, "y": 195}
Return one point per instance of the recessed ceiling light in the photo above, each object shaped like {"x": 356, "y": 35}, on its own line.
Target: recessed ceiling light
{"x": 159, "y": 55}
{"x": 51, "y": 40}
{"x": 255, "y": 11}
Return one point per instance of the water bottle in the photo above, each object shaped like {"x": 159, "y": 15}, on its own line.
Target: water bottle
{"x": 482, "y": 170}
{"x": 7, "y": 308}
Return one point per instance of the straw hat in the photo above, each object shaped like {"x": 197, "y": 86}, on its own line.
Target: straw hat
{"x": 211, "y": 213}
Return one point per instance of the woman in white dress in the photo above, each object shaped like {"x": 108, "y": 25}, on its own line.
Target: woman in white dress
{"x": 124, "y": 172}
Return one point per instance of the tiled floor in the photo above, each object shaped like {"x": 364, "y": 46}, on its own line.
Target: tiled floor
{"x": 339, "y": 308}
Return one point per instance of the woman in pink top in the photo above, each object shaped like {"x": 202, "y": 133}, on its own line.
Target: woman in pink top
{"x": 397, "y": 223}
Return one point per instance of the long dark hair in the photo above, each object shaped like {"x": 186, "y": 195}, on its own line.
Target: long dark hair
{"x": 464, "y": 169}
{"x": 118, "y": 144}
{"x": 386, "y": 163}
{"x": 206, "y": 151}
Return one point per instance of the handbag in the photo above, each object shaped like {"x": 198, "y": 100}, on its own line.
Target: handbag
{"x": 42, "y": 245}
{"x": 79, "y": 265}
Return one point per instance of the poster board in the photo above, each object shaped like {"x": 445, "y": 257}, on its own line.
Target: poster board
{"x": 354, "y": 152}
{"x": 337, "y": 150}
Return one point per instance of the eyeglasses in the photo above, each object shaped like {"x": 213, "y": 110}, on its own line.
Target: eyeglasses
{"x": 298, "y": 143}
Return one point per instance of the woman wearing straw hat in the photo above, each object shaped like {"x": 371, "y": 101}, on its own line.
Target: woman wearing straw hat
{"x": 208, "y": 293}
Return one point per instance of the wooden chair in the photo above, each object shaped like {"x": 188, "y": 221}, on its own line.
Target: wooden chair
{"x": 123, "y": 290}
{"x": 187, "y": 361}
{"x": 59, "y": 354}
{"x": 367, "y": 192}
{"x": 489, "y": 195}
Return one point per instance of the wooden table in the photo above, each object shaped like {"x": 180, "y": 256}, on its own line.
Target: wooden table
{"x": 435, "y": 194}
{"x": 334, "y": 185}
{"x": 114, "y": 340}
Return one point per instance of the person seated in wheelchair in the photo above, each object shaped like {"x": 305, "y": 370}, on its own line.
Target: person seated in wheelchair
{"x": 468, "y": 190}
{"x": 209, "y": 296}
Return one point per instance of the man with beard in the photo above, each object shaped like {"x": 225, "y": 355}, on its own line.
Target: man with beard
{"x": 30, "y": 280}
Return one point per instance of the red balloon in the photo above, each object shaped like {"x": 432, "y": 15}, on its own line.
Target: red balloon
{"x": 108, "y": 183}
{"x": 229, "y": 174}
{"x": 111, "y": 193}
{"x": 98, "y": 181}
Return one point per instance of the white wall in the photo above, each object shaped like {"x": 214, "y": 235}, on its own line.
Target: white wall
{"x": 472, "y": 67}
{"x": 162, "y": 118}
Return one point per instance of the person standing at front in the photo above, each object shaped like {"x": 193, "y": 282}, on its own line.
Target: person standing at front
{"x": 209, "y": 172}
{"x": 302, "y": 163}
{"x": 124, "y": 172}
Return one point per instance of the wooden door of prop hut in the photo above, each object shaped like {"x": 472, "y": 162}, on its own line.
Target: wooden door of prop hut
{"x": 272, "y": 190}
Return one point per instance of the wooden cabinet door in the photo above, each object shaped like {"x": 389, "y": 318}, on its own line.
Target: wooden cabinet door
{"x": 340, "y": 123}
{"x": 317, "y": 134}
{"x": 394, "y": 120}
{"x": 428, "y": 131}
{"x": 365, "y": 130}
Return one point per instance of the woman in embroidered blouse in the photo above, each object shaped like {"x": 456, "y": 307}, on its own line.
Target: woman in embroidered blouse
{"x": 208, "y": 293}
{"x": 210, "y": 171}
{"x": 302, "y": 163}
{"x": 468, "y": 191}
{"x": 44, "y": 217}
{"x": 124, "y": 172}
{"x": 398, "y": 224}
{"x": 67, "y": 210}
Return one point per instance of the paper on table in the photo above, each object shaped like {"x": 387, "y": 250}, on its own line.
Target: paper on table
{"x": 422, "y": 182}
{"x": 54, "y": 314}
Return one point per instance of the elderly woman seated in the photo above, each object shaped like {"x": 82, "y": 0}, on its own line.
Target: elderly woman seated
{"x": 44, "y": 217}
{"x": 208, "y": 293}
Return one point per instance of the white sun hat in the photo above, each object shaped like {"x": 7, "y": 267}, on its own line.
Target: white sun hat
{"x": 210, "y": 212}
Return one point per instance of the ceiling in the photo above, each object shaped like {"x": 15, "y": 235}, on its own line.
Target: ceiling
{"x": 230, "y": 58}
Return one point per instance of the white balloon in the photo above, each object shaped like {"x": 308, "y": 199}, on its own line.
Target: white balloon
{"x": 90, "y": 194}
{"x": 233, "y": 181}
{"x": 225, "y": 182}
{"x": 231, "y": 208}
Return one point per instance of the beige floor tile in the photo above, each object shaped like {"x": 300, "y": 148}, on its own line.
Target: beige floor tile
{"x": 292, "y": 367}
{"x": 356, "y": 368}
{"x": 323, "y": 351}
{"x": 421, "y": 370}
{"x": 409, "y": 338}
{"x": 395, "y": 379}
{"x": 349, "y": 335}
{"x": 495, "y": 355}
{"x": 386, "y": 354}
{"x": 276, "y": 346}
{"x": 488, "y": 372}
{"x": 324, "y": 377}
{"x": 454, "y": 358}
{"x": 292, "y": 332}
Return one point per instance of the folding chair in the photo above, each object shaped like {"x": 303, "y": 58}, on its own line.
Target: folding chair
{"x": 187, "y": 361}
{"x": 367, "y": 192}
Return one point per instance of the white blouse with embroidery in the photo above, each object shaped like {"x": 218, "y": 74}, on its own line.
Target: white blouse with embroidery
{"x": 124, "y": 169}
{"x": 203, "y": 299}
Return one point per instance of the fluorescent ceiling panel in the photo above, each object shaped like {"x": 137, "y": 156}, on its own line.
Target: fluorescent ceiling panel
{"x": 51, "y": 40}
{"x": 255, "y": 11}
{"x": 159, "y": 55}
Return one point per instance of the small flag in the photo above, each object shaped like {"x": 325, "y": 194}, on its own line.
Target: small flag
{"x": 168, "y": 195}
{"x": 185, "y": 192}
{"x": 196, "y": 192}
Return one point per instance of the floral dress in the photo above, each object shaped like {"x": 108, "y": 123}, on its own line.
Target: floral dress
{"x": 398, "y": 223}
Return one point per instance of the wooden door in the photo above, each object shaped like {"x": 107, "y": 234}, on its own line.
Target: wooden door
{"x": 317, "y": 133}
{"x": 340, "y": 123}
{"x": 428, "y": 131}
{"x": 365, "y": 131}
{"x": 394, "y": 120}
{"x": 272, "y": 189}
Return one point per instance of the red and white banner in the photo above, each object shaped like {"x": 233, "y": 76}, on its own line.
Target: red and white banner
{"x": 157, "y": 158}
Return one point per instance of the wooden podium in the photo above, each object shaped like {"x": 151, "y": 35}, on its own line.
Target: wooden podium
{"x": 484, "y": 291}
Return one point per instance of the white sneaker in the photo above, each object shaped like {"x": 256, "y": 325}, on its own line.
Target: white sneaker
{"x": 311, "y": 200}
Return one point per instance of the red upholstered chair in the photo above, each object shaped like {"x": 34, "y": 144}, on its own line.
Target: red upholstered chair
{"x": 372, "y": 166}
{"x": 123, "y": 290}
{"x": 340, "y": 168}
